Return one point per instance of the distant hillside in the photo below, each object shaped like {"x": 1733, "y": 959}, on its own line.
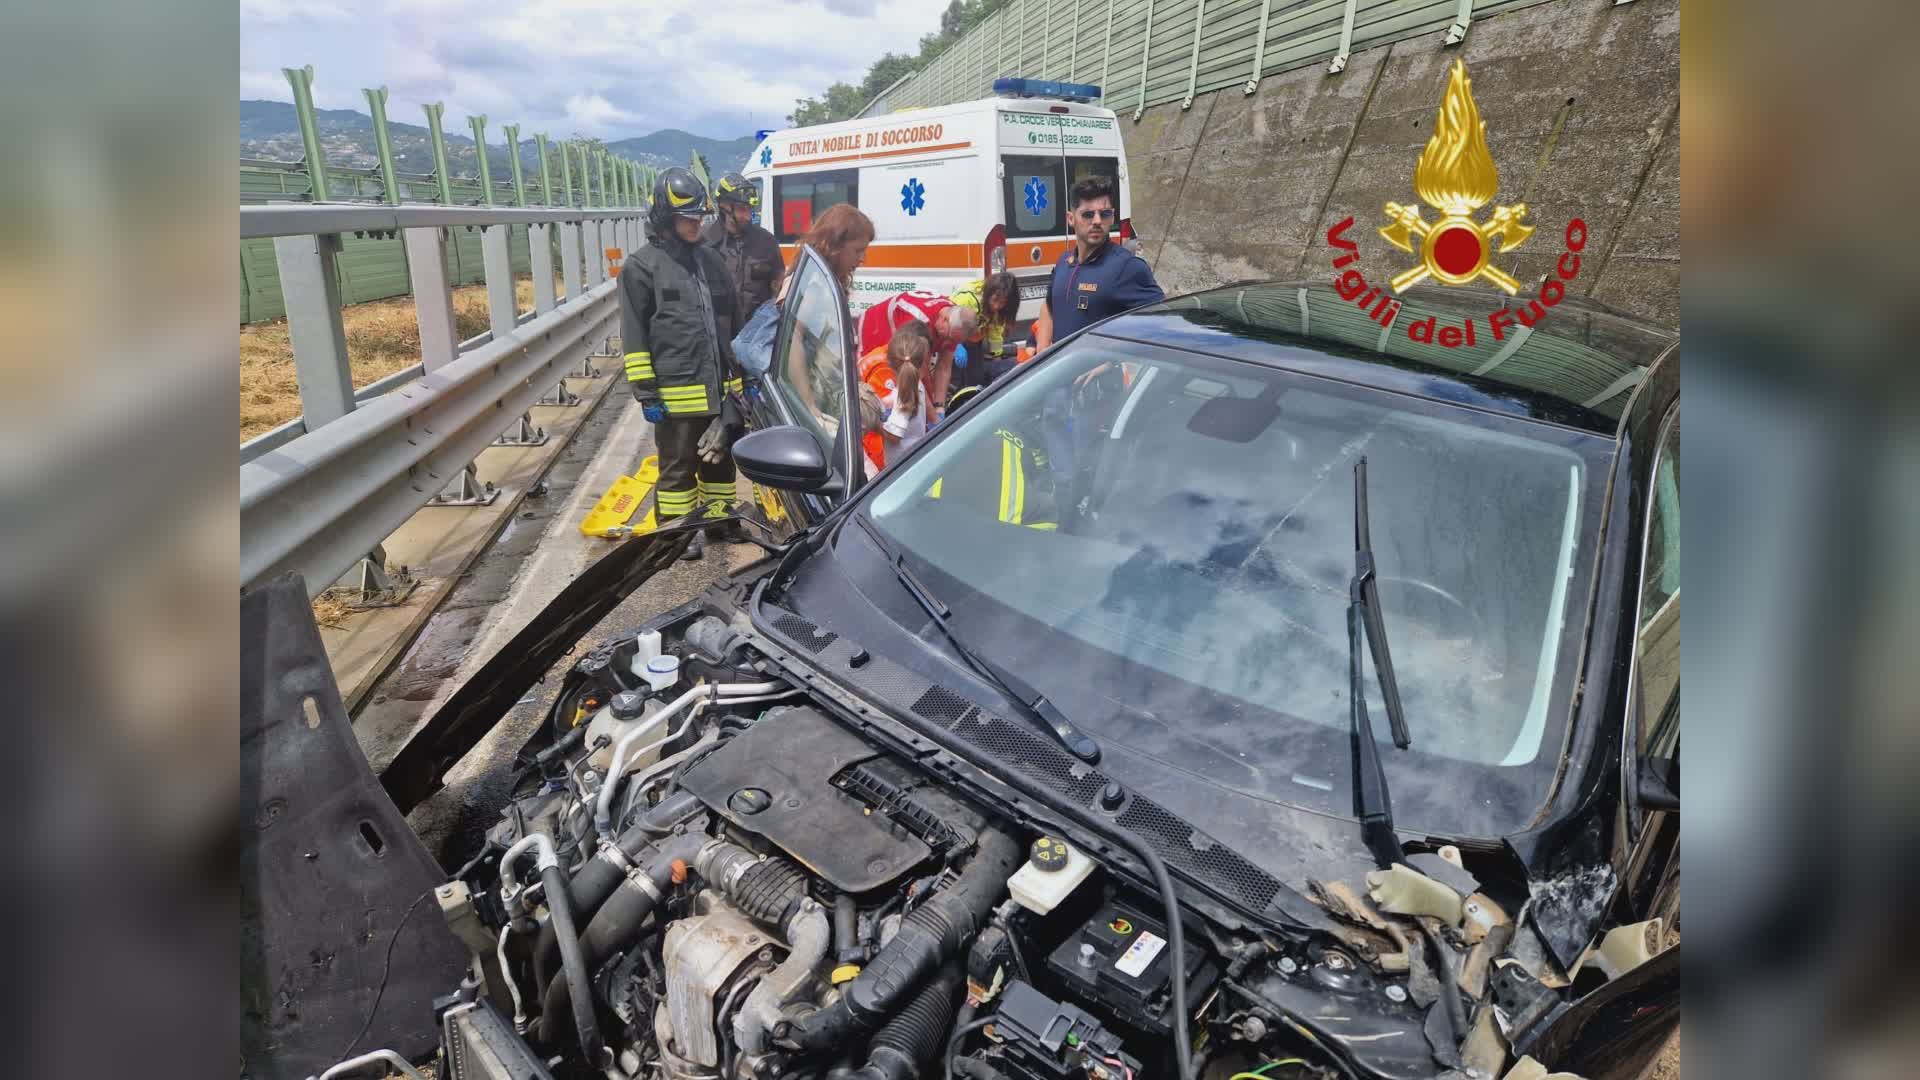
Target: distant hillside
{"x": 673, "y": 147}
{"x": 271, "y": 130}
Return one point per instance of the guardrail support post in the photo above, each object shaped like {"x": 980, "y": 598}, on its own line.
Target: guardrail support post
{"x": 546, "y": 175}
{"x": 432, "y": 296}
{"x": 1346, "y": 39}
{"x": 466, "y": 490}
{"x": 479, "y": 126}
{"x": 301, "y": 79}
{"x": 383, "y": 142}
{"x": 593, "y": 247}
{"x": 570, "y": 259}
{"x": 312, "y": 293}
{"x": 1462, "y": 20}
{"x": 496, "y": 263}
{"x": 524, "y": 433}
{"x": 540, "y": 253}
{"x": 566, "y": 173}
{"x": 512, "y": 132}
{"x": 439, "y": 139}
{"x": 1146, "y": 54}
{"x": 1193, "y": 60}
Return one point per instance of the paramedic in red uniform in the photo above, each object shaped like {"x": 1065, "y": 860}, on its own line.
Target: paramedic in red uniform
{"x": 948, "y": 323}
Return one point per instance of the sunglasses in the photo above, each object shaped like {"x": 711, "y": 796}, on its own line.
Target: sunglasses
{"x": 1103, "y": 215}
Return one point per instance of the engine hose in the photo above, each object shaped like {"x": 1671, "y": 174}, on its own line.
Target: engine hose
{"x": 617, "y": 922}
{"x": 908, "y": 1041}
{"x": 572, "y": 963}
{"x": 846, "y": 931}
{"x": 928, "y": 938}
{"x": 603, "y": 873}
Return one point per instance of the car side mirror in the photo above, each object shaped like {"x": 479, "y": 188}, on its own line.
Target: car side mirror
{"x": 1658, "y": 780}
{"x": 786, "y": 458}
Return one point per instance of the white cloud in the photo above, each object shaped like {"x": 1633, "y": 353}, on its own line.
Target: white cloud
{"x": 591, "y": 112}
{"x": 610, "y": 68}
{"x": 285, "y": 11}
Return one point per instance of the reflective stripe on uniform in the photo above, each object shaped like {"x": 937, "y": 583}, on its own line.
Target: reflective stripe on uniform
{"x": 685, "y": 399}
{"x": 721, "y": 491}
{"x": 1013, "y": 483}
{"x": 734, "y": 386}
{"x": 639, "y": 366}
{"x": 676, "y": 503}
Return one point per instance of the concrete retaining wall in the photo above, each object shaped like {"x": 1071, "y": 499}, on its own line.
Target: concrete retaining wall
{"x": 1581, "y": 100}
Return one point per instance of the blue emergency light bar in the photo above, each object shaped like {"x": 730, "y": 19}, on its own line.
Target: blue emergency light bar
{"x": 1046, "y": 88}
{"x": 761, "y": 135}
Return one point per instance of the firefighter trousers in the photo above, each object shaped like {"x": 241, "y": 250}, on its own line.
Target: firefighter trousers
{"x": 686, "y": 482}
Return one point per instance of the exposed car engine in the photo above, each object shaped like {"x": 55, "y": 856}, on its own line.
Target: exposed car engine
{"x": 703, "y": 875}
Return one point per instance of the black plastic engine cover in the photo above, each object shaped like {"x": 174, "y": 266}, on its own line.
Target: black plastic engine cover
{"x": 775, "y": 779}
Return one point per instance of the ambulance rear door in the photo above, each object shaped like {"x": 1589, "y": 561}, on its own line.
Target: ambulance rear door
{"x": 1033, "y": 194}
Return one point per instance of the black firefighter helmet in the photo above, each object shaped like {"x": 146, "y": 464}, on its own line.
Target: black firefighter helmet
{"x": 734, "y": 188}
{"x": 677, "y": 193}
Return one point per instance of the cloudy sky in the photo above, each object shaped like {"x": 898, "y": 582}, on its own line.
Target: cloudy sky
{"x": 612, "y": 68}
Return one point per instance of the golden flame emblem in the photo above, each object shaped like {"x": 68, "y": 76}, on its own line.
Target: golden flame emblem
{"x": 1456, "y": 176}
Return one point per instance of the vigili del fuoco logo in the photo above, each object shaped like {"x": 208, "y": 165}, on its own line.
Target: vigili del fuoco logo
{"x": 1455, "y": 176}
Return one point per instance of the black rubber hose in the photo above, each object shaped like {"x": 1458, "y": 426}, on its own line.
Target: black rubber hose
{"x": 615, "y": 925}
{"x": 597, "y": 880}
{"x": 572, "y": 963}
{"x": 928, "y": 939}
{"x": 911, "y": 1038}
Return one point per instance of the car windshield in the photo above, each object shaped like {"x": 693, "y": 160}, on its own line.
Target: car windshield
{"x": 1161, "y": 542}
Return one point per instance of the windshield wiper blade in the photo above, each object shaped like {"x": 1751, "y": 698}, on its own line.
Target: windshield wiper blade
{"x": 1033, "y": 705}
{"x": 1372, "y": 803}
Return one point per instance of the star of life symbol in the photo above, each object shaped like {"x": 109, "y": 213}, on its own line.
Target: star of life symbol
{"x": 1036, "y": 192}
{"x": 913, "y": 196}
{"x": 766, "y": 156}
{"x": 1456, "y": 176}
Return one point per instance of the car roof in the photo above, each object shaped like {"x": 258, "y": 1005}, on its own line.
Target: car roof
{"x": 1577, "y": 367}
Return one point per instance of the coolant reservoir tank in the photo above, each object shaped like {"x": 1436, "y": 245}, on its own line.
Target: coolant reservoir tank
{"x": 1053, "y": 870}
{"x": 628, "y": 709}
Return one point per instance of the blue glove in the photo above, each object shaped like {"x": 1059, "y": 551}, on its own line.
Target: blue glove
{"x": 654, "y": 411}
{"x": 959, "y": 357}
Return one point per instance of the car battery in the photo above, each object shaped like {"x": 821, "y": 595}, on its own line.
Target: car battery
{"x": 1120, "y": 961}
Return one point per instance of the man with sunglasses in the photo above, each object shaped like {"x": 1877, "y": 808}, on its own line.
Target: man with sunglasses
{"x": 1097, "y": 278}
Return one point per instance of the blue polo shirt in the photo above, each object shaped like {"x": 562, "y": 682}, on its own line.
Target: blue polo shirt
{"x": 1113, "y": 281}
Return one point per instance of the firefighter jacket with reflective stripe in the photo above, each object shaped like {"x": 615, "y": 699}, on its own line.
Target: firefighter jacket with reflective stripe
{"x": 677, "y": 322}
{"x": 753, "y": 265}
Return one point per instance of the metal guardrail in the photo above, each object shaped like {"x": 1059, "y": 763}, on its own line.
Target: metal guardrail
{"x": 321, "y": 493}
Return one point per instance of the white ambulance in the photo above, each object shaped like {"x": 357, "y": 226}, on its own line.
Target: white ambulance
{"x": 955, "y": 192}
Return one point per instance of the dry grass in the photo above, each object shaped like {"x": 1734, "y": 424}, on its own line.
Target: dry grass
{"x": 383, "y": 337}
{"x": 332, "y": 609}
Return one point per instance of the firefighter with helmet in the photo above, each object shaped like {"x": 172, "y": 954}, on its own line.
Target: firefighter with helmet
{"x": 749, "y": 252}
{"x": 677, "y": 319}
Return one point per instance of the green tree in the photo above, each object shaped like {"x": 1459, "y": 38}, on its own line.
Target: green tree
{"x": 841, "y": 100}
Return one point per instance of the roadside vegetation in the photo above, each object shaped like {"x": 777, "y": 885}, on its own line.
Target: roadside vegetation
{"x": 383, "y": 337}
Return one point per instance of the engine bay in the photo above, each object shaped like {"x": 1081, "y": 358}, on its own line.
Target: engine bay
{"x": 704, "y": 874}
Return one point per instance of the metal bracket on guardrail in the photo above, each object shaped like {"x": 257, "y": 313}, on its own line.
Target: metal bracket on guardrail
{"x": 467, "y": 490}
{"x": 377, "y": 587}
{"x": 560, "y": 396}
{"x": 524, "y": 433}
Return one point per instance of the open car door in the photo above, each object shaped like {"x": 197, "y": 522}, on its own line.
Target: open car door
{"x": 813, "y": 383}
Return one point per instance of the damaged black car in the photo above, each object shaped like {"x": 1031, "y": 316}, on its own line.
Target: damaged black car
{"x": 1236, "y": 692}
